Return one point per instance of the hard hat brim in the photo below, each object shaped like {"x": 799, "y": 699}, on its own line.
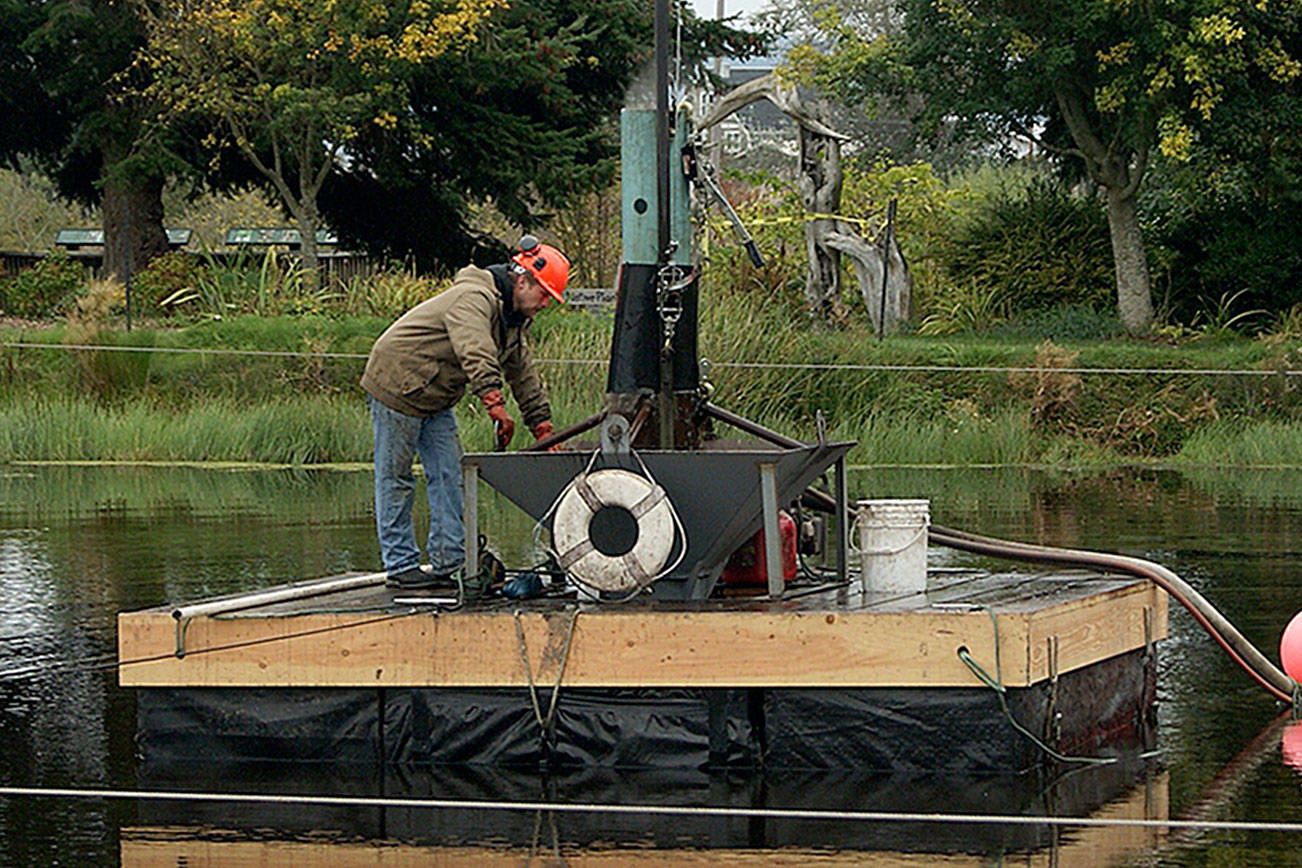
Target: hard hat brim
{"x": 550, "y": 290}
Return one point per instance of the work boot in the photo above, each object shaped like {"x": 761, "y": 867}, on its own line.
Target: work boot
{"x": 475, "y": 587}
{"x": 411, "y": 579}
{"x": 445, "y": 581}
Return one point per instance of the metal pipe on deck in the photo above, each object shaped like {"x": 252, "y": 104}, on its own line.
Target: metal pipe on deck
{"x": 296, "y": 591}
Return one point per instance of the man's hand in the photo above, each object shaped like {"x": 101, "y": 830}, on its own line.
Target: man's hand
{"x": 503, "y": 424}
{"x": 544, "y": 429}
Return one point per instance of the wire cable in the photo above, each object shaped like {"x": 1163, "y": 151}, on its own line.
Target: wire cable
{"x": 779, "y": 366}
{"x": 670, "y": 810}
{"x": 203, "y": 351}
{"x": 545, "y": 720}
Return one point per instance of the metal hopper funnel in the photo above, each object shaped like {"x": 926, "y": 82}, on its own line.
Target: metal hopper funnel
{"x": 718, "y": 492}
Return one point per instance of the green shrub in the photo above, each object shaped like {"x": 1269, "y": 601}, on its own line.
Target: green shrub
{"x": 965, "y": 307}
{"x": 44, "y": 288}
{"x": 1240, "y": 250}
{"x": 388, "y": 293}
{"x": 166, "y": 276}
{"x": 1033, "y": 248}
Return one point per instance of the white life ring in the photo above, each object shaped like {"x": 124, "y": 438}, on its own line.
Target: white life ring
{"x": 649, "y": 507}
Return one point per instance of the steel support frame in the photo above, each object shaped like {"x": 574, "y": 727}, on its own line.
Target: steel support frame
{"x": 470, "y": 516}
{"x": 772, "y": 542}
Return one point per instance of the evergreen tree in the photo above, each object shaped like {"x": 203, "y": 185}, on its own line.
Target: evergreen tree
{"x": 69, "y": 96}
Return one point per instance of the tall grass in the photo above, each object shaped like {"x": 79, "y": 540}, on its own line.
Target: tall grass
{"x": 296, "y": 430}
{"x": 1004, "y": 439}
{"x": 308, "y": 408}
{"x": 1241, "y": 443}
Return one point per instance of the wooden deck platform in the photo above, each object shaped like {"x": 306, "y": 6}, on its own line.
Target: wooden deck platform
{"x": 1047, "y": 624}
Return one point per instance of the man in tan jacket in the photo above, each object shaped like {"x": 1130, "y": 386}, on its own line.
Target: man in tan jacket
{"x": 471, "y": 336}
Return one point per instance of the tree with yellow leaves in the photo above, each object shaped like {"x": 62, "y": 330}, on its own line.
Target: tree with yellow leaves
{"x": 1108, "y": 83}
{"x": 290, "y": 83}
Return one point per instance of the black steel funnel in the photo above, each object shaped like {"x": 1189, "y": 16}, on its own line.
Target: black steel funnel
{"x": 715, "y": 490}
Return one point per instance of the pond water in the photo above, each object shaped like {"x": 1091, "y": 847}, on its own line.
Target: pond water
{"x": 78, "y": 545}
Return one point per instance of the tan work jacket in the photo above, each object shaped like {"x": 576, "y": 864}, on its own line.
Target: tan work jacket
{"x": 423, "y": 363}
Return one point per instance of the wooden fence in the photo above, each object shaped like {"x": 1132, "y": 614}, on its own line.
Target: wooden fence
{"x": 336, "y": 267}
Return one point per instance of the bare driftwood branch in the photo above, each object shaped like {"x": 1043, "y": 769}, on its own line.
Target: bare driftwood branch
{"x": 782, "y": 95}
{"x": 826, "y": 238}
{"x": 867, "y": 260}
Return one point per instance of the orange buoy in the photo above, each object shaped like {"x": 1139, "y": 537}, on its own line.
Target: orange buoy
{"x": 1290, "y": 648}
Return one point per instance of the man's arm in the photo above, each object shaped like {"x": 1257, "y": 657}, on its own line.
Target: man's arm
{"x": 527, "y": 385}
{"x": 469, "y": 323}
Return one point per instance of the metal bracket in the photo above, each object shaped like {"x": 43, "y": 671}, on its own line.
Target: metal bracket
{"x": 1148, "y": 631}
{"x": 705, "y": 384}
{"x": 705, "y": 177}
{"x": 842, "y": 526}
{"x": 182, "y": 625}
{"x": 614, "y": 436}
{"x": 1053, "y": 717}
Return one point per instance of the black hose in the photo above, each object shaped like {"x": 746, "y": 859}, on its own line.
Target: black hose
{"x": 1226, "y": 635}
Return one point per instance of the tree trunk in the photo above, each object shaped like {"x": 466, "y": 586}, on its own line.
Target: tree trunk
{"x": 309, "y": 220}
{"x": 1134, "y": 296}
{"x": 1119, "y": 168}
{"x": 820, "y": 191}
{"x": 869, "y": 268}
{"x": 133, "y": 221}
{"x": 311, "y": 261}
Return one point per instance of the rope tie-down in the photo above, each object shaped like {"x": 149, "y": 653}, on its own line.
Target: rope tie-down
{"x": 547, "y": 720}
{"x": 996, "y": 683}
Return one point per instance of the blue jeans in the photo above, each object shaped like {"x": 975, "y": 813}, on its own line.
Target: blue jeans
{"x": 398, "y": 439}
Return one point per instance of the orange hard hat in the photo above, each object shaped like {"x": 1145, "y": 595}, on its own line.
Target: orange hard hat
{"x": 545, "y": 264}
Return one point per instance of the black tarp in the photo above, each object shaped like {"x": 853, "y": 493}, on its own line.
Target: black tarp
{"x": 300, "y": 724}
{"x": 860, "y": 729}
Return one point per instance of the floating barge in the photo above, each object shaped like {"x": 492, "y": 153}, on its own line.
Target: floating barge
{"x": 827, "y": 677}
{"x": 968, "y": 670}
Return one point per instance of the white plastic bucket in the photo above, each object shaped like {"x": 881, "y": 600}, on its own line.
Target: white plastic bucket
{"x": 892, "y": 541}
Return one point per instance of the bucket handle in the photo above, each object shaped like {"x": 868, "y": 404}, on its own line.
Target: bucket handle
{"x": 854, "y": 550}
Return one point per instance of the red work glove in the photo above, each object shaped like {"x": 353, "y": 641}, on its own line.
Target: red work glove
{"x": 544, "y": 429}
{"x": 503, "y": 424}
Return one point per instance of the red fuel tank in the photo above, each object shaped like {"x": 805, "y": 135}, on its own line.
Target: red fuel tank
{"x": 746, "y": 566}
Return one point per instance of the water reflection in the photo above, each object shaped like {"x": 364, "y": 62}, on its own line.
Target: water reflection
{"x": 1291, "y": 745}
{"x": 183, "y": 833}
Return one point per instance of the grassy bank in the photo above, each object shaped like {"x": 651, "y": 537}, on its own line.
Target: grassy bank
{"x": 283, "y": 390}
{"x": 295, "y": 430}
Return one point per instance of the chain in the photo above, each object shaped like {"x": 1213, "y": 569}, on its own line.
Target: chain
{"x": 671, "y": 280}
{"x": 669, "y": 305}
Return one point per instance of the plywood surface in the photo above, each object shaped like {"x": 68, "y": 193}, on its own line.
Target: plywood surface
{"x": 819, "y": 641}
